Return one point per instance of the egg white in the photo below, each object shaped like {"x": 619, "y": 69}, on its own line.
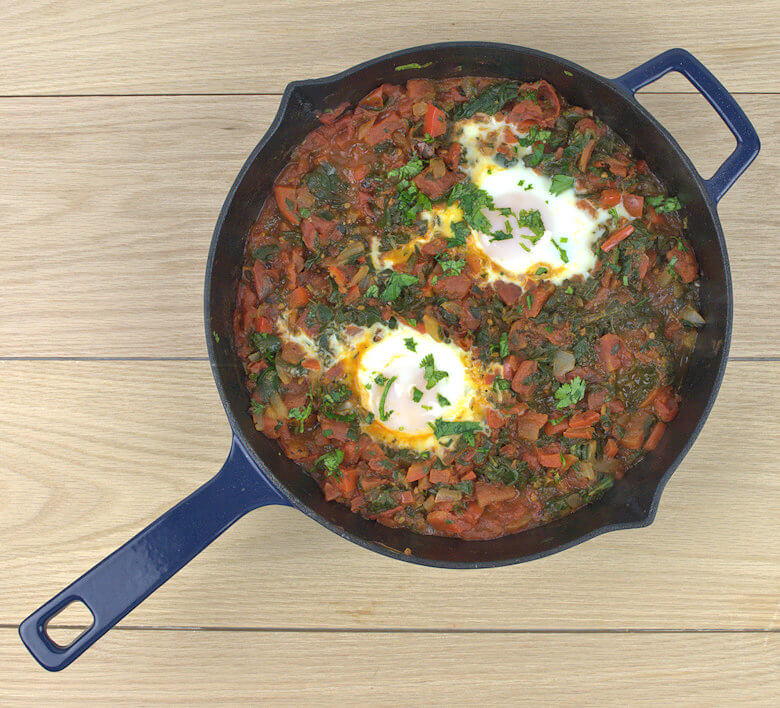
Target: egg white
{"x": 565, "y": 248}
{"x": 385, "y": 366}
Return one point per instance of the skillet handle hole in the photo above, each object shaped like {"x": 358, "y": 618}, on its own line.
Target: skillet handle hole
{"x": 71, "y": 622}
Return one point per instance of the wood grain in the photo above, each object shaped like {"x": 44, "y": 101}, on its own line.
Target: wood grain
{"x": 197, "y": 46}
{"x": 159, "y": 667}
{"x": 94, "y": 451}
{"x": 108, "y": 205}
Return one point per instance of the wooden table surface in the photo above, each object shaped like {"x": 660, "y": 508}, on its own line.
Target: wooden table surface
{"x": 122, "y": 126}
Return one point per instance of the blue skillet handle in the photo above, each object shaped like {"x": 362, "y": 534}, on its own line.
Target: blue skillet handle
{"x": 721, "y": 100}
{"x": 131, "y": 573}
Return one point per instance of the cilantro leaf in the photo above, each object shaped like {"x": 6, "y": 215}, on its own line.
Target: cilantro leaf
{"x": 662, "y": 205}
{"x": 442, "y": 400}
{"x": 560, "y": 183}
{"x": 411, "y": 345}
{"x": 534, "y": 135}
{"x": 417, "y": 394}
{"x": 570, "y": 393}
{"x": 432, "y": 375}
{"x": 460, "y": 230}
{"x": 472, "y": 200}
{"x": 301, "y": 414}
{"x": 407, "y": 171}
{"x": 446, "y": 428}
{"x": 452, "y": 267}
{"x": 397, "y": 282}
{"x": 503, "y": 345}
{"x": 531, "y": 219}
{"x": 331, "y": 461}
{"x": 383, "y": 414}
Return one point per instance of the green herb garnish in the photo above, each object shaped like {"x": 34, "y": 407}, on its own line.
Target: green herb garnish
{"x": 560, "y": 183}
{"x": 570, "y": 393}
{"x": 432, "y": 374}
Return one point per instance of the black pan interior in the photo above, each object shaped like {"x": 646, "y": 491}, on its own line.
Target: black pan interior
{"x": 632, "y": 501}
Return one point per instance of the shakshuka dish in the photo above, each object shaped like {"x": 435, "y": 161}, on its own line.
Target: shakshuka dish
{"x": 466, "y": 307}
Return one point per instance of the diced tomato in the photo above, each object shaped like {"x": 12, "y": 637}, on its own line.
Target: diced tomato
{"x": 582, "y": 420}
{"x": 596, "y": 399}
{"x": 489, "y": 493}
{"x": 452, "y": 156}
{"x": 528, "y": 425}
{"x": 610, "y": 198}
{"x": 587, "y": 151}
{"x": 579, "y": 433}
{"x": 262, "y": 325}
{"x": 610, "y": 448}
{"x": 634, "y": 204}
{"x": 635, "y": 432}
{"x": 375, "y": 100}
{"x": 417, "y": 471}
{"x": 435, "y": 123}
{"x": 309, "y": 234}
{"x": 553, "y": 458}
{"x": 609, "y": 352}
{"x": 508, "y": 292}
{"x": 551, "y": 428}
{"x": 494, "y": 419}
{"x": 406, "y": 497}
{"x": 655, "y": 435}
{"x": 285, "y": 200}
{"x": 383, "y": 129}
{"x": 665, "y": 405}
{"x": 329, "y": 117}
{"x": 616, "y": 237}
{"x": 298, "y": 298}
{"x": 450, "y": 523}
{"x": 453, "y": 287}
{"x": 684, "y": 264}
{"x": 524, "y": 371}
{"x": 440, "y": 476}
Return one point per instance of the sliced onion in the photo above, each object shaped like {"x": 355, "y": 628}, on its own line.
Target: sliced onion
{"x": 691, "y": 316}
{"x": 563, "y": 362}
{"x": 606, "y": 466}
{"x": 352, "y": 249}
{"x": 448, "y": 495}
{"x": 361, "y": 273}
{"x": 432, "y": 327}
{"x": 276, "y": 405}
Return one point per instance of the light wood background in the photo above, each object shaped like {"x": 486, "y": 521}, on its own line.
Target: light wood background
{"x": 122, "y": 125}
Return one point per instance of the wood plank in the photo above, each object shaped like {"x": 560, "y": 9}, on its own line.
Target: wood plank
{"x": 232, "y": 668}
{"x": 109, "y": 203}
{"x": 94, "y": 451}
{"x": 186, "y": 46}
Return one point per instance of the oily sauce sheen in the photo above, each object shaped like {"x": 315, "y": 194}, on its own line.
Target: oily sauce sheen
{"x": 466, "y": 307}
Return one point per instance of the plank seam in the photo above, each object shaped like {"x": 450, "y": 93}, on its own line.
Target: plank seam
{"x": 279, "y": 94}
{"x": 425, "y": 630}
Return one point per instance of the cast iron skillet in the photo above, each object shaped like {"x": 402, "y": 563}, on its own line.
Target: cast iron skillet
{"x": 256, "y": 473}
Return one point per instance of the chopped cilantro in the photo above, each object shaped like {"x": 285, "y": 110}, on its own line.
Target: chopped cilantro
{"x": 531, "y": 219}
{"x": 331, "y": 461}
{"x": 460, "y": 230}
{"x": 371, "y": 291}
{"x": 383, "y": 414}
{"x": 413, "y": 65}
{"x": 417, "y": 394}
{"x": 446, "y": 428}
{"x": 452, "y": 267}
{"x": 442, "y": 400}
{"x": 411, "y": 345}
{"x": 301, "y": 414}
{"x": 503, "y": 345}
{"x": 409, "y": 170}
{"x": 397, "y": 282}
{"x": 570, "y": 393}
{"x": 432, "y": 375}
{"x": 662, "y": 205}
{"x": 501, "y": 384}
{"x": 561, "y": 251}
{"x": 472, "y": 201}
{"x": 560, "y": 183}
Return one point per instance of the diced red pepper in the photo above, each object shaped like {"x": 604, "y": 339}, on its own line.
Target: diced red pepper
{"x": 435, "y": 123}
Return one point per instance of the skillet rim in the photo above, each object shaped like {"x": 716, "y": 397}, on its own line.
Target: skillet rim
{"x": 254, "y": 459}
